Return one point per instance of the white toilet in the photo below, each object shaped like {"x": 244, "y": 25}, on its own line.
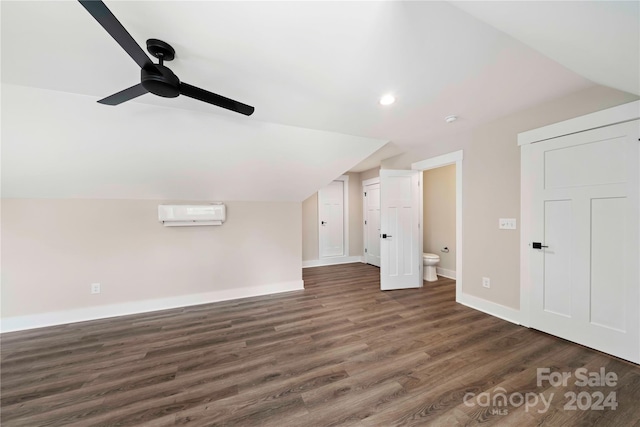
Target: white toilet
{"x": 430, "y": 261}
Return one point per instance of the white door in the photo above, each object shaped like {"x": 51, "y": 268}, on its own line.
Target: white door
{"x": 372, "y": 224}
{"x": 331, "y": 220}
{"x": 584, "y": 275}
{"x": 400, "y": 246}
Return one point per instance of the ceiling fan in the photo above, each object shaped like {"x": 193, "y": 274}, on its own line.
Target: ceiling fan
{"x": 154, "y": 78}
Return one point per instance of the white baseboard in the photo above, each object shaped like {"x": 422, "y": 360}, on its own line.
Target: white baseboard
{"x": 33, "y": 321}
{"x": 450, "y": 274}
{"x": 332, "y": 261}
{"x": 498, "y": 310}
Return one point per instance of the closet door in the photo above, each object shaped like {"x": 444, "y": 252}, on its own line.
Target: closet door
{"x": 584, "y": 249}
{"x": 331, "y": 220}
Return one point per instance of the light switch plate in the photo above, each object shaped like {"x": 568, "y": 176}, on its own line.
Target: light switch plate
{"x": 507, "y": 223}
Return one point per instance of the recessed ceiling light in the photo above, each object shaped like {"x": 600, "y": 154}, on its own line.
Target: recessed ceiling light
{"x": 450, "y": 119}
{"x": 387, "y": 99}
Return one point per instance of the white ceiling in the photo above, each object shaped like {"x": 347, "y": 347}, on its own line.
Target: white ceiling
{"x": 597, "y": 39}
{"x": 303, "y": 65}
{"x": 72, "y": 147}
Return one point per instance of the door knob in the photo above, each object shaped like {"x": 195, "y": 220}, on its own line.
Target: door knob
{"x": 384, "y": 236}
{"x": 323, "y": 222}
{"x": 538, "y": 245}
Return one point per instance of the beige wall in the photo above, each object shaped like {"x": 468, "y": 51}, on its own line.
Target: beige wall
{"x": 369, "y": 173}
{"x": 356, "y": 240}
{"x": 53, "y": 249}
{"x": 439, "y": 207}
{"x": 491, "y": 187}
{"x": 310, "y": 250}
{"x": 310, "y": 241}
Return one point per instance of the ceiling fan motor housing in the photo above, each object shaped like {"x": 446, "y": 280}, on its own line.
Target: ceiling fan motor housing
{"x": 164, "y": 83}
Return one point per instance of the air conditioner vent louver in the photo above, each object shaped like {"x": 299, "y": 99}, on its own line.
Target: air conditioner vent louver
{"x": 192, "y": 215}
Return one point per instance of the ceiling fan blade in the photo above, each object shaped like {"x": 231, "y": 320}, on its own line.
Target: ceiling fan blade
{"x": 215, "y": 99}
{"x": 109, "y": 22}
{"x": 124, "y": 95}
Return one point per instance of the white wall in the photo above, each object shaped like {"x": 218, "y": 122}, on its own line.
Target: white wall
{"x": 491, "y": 187}
{"x": 439, "y": 210}
{"x": 53, "y": 249}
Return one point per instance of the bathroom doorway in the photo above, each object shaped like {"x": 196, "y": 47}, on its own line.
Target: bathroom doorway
{"x": 453, "y": 265}
{"x": 439, "y": 220}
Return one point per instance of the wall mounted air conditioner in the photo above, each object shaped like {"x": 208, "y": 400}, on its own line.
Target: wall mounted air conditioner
{"x": 190, "y": 215}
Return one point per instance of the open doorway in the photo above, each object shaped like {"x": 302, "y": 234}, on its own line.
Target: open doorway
{"x": 439, "y": 223}
{"x": 455, "y": 159}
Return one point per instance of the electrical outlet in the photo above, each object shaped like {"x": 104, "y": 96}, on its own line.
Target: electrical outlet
{"x": 95, "y": 288}
{"x": 486, "y": 282}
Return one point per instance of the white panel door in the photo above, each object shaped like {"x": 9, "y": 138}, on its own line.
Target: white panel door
{"x": 331, "y": 220}
{"x": 372, "y": 224}
{"x": 585, "y": 281}
{"x": 400, "y": 251}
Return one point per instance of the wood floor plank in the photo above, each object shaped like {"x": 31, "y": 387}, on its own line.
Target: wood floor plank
{"x": 340, "y": 353}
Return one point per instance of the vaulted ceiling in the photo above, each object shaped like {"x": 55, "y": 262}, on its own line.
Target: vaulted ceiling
{"x": 597, "y": 39}
{"x": 313, "y": 70}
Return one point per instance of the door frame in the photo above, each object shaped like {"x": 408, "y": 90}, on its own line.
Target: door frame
{"x": 345, "y": 219}
{"x": 453, "y": 158}
{"x": 610, "y": 116}
{"x": 365, "y": 183}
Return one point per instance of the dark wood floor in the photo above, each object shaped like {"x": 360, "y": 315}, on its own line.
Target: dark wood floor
{"x": 341, "y": 352}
